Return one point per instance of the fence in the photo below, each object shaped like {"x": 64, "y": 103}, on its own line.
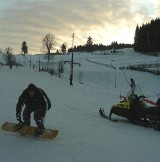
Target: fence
{"x": 151, "y": 68}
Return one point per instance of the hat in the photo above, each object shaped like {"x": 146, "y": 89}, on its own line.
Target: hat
{"x": 32, "y": 87}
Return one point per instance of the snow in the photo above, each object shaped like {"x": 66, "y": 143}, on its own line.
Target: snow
{"x": 83, "y": 135}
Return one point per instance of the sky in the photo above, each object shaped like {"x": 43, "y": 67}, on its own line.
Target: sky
{"x": 104, "y": 20}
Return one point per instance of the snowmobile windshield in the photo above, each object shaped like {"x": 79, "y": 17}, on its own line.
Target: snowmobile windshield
{"x": 136, "y": 90}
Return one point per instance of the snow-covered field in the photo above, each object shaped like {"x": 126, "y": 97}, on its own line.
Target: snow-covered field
{"x": 83, "y": 135}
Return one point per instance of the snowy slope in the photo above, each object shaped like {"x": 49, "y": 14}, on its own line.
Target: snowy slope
{"x": 83, "y": 135}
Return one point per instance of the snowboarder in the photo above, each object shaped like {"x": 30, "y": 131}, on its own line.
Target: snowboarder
{"x": 35, "y": 100}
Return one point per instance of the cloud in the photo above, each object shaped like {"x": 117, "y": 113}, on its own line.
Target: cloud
{"x": 103, "y": 20}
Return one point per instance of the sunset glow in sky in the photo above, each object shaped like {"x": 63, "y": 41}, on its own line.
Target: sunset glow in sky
{"x": 104, "y": 20}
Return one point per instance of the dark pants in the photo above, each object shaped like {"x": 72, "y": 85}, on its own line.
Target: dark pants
{"x": 39, "y": 115}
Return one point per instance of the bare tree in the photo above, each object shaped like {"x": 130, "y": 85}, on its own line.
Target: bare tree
{"x": 9, "y": 58}
{"x": 48, "y": 44}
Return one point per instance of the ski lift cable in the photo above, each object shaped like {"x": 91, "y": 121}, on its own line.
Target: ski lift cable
{"x": 125, "y": 76}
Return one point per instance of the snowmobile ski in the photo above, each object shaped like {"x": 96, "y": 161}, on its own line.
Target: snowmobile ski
{"x": 110, "y": 118}
{"x": 103, "y": 115}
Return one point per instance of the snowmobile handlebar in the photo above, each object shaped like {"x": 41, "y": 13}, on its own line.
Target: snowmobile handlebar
{"x": 141, "y": 97}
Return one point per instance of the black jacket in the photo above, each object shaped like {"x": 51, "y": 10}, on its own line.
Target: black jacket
{"x": 39, "y": 99}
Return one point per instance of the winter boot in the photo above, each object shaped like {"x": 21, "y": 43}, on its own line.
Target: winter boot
{"x": 18, "y": 127}
{"x": 26, "y": 123}
{"x": 39, "y": 132}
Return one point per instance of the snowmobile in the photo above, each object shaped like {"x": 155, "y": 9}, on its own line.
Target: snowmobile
{"x": 134, "y": 108}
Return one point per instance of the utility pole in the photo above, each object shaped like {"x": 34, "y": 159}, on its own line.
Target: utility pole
{"x": 72, "y": 63}
{"x": 71, "y": 72}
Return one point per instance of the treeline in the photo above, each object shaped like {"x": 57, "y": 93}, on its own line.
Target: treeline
{"x": 147, "y": 37}
{"x": 90, "y": 47}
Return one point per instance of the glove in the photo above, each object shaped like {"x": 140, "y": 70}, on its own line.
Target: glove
{"x": 18, "y": 117}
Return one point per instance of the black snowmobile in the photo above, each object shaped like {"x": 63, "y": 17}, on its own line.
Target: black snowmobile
{"x": 136, "y": 110}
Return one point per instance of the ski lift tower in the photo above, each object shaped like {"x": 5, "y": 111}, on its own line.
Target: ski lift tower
{"x": 72, "y": 63}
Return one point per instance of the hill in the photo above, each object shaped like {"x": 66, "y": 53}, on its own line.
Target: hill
{"x": 83, "y": 135}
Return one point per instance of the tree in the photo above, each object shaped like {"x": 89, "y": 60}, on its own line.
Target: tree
{"x": 63, "y": 48}
{"x": 9, "y": 58}
{"x": 57, "y": 51}
{"x": 48, "y": 44}
{"x": 24, "y": 47}
{"x": 147, "y": 37}
{"x": 114, "y": 46}
{"x": 89, "y": 41}
{"x": 136, "y": 39}
{"x": 89, "y": 44}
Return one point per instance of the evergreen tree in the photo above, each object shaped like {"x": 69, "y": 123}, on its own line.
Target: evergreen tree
{"x": 24, "y": 47}
{"x": 114, "y": 45}
{"x": 89, "y": 44}
{"x": 136, "y": 39}
{"x": 63, "y": 48}
{"x": 147, "y": 37}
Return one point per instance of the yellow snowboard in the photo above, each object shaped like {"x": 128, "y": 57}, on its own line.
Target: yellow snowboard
{"x": 29, "y": 130}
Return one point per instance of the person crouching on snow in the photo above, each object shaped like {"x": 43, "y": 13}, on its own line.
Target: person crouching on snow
{"x": 35, "y": 100}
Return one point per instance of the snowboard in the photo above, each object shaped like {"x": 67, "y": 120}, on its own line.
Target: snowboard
{"x": 28, "y": 130}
